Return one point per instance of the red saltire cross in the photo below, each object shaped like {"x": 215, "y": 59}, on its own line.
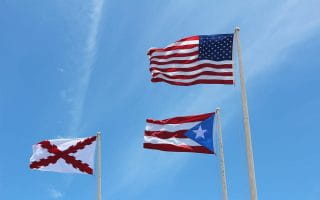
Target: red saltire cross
{"x": 78, "y": 164}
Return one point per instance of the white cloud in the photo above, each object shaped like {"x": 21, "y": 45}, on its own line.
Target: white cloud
{"x": 281, "y": 32}
{"x": 55, "y": 194}
{"x": 74, "y": 95}
{"x": 60, "y": 69}
{"x": 79, "y": 90}
{"x": 64, "y": 94}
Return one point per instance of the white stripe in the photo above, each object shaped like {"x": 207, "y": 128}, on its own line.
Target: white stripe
{"x": 192, "y": 64}
{"x": 183, "y": 43}
{"x": 188, "y": 42}
{"x": 205, "y": 69}
{"x": 173, "y": 141}
{"x": 201, "y": 77}
{"x": 170, "y": 127}
{"x": 174, "y": 58}
{"x": 166, "y": 53}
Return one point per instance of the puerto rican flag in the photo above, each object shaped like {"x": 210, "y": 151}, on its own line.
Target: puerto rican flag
{"x": 181, "y": 134}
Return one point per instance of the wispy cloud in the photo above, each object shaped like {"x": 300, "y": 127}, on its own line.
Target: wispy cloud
{"x": 84, "y": 71}
{"x": 155, "y": 165}
{"x": 315, "y": 191}
{"x": 74, "y": 95}
{"x": 60, "y": 69}
{"x": 55, "y": 194}
{"x": 281, "y": 32}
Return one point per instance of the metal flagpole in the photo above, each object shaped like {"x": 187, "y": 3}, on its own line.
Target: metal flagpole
{"x": 99, "y": 166}
{"x": 222, "y": 166}
{"x": 251, "y": 172}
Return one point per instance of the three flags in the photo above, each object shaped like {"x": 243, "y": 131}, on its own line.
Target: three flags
{"x": 204, "y": 59}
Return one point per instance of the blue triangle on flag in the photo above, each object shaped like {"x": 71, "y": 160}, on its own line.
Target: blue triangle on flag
{"x": 202, "y": 133}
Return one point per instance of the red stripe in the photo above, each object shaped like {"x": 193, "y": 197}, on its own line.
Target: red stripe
{"x": 181, "y": 119}
{"x": 174, "y": 62}
{"x": 190, "y": 69}
{"x": 176, "y": 55}
{"x": 200, "y": 81}
{"x": 188, "y": 46}
{"x": 166, "y": 134}
{"x": 196, "y": 37}
{"x": 175, "y": 148}
{"x": 194, "y": 75}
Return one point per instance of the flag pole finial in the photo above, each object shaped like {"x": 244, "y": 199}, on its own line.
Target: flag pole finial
{"x": 237, "y": 28}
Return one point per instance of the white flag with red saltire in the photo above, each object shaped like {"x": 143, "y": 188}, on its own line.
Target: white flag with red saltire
{"x": 64, "y": 155}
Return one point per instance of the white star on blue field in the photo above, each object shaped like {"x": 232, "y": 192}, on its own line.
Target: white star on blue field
{"x": 72, "y": 68}
{"x": 199, "y": 132}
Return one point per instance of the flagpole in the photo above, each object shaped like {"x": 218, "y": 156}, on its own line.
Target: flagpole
{"x": 99, "y": 166}
{"x": 250, "y": 162}
{"x": 221, "y": 154}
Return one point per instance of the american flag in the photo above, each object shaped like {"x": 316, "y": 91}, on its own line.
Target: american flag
{"x": 203, "y": 59}
{"x": 181, "y": 134}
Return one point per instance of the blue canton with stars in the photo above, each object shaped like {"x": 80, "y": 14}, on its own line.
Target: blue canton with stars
{"x": 215, "y": 47}
{"x": 202, "y": 133}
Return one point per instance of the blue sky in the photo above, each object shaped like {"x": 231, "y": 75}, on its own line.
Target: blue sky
{"x": 71, "y": 68}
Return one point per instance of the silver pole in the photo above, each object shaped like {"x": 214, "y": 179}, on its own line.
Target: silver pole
{"x": 222, "y": 166}
{"x": 246, "y": 124}
{"x": 99, "y": 166}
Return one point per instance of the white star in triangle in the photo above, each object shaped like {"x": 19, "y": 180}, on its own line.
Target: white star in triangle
{"x": 199, "y": 132}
